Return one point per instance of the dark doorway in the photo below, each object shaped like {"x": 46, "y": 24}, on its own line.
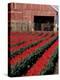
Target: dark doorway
{"x": 38, "y": 20}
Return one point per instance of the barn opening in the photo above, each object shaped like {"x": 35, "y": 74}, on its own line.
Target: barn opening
{"x": 43, "y": 23}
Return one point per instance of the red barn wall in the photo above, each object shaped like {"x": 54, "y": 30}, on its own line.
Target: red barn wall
{"x": 25, "y": 13}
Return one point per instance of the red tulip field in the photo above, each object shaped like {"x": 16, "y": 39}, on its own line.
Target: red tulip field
{"x": 32, "y": 53}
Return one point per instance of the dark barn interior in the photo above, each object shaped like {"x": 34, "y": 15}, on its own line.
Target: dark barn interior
{"x": 43, "y": 23}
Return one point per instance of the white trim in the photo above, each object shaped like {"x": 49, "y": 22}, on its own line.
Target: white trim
{"x": 54, "y": 8}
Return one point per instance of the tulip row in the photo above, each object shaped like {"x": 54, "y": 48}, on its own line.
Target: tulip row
{"x": 17, "y": 48}
{"x": 42, "y": 62}
{"x": 15, "y": 39}
{"x": 20, "y": 37}
{"x": 20, "y": 57}
{"x": 33, "y": 44}
{"x": 25, "y": 54}
{"x": 23, "y": 39}
{"x": 51, "y": 64}
{"x": 31, "y": 59}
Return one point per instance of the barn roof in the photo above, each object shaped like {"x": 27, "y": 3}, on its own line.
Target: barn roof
{"x": 29, "y": 6}
{"x": 55, "y": 7}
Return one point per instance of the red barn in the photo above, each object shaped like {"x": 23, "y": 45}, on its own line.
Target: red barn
{"x": 31, "y": 17}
